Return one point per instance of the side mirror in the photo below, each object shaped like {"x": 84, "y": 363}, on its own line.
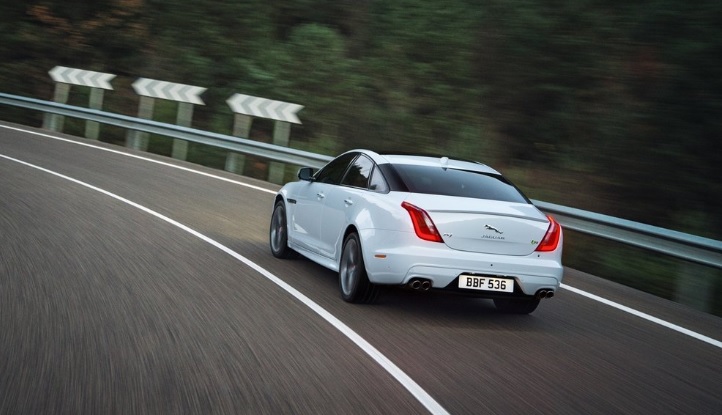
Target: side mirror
{"x": 305, "y": 173}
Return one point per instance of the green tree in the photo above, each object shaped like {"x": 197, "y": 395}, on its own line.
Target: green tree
{"x": 313, "y": 69}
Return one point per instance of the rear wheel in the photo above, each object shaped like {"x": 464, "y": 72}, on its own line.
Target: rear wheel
{"x": 516, "y": 305}
{"x": 353, "y": 280}
{"x": 278, "y": 234}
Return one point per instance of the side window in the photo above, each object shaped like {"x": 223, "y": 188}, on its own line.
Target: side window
{"x": 334, "y": 170}
{"x": 377, "y": 182}
{"x": 359, "y": 172}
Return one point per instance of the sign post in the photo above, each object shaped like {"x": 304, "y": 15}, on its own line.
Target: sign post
{"x": 235, "y": 163}
{"x": 245, "y": 107}
{"x": 64, "y": 77}
{"x": 185, "y": 95}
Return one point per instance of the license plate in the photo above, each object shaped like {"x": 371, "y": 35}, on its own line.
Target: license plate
{"x": 483, "y": 283}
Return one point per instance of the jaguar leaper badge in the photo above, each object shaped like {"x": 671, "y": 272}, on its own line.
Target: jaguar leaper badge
{"x": 491, "y": 228}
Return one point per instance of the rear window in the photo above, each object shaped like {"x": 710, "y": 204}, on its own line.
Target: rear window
{"x": 462, "y": 183}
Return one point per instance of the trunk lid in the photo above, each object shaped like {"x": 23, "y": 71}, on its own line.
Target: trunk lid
{"x": 484, "y": 226}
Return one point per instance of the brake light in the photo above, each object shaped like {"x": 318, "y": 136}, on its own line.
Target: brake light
{"x": 551, "y": 239}
{"x": 423, "y": 225}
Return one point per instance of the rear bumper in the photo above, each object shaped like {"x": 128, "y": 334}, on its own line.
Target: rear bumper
{"x": 397, "y": 258}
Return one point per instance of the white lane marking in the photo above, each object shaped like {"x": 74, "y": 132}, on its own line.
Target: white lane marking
{"x": 420, "y": 394}
{"x": 602, "y": 300}
{"x": 135, "y": 156}
{"x": 645, "y": 316}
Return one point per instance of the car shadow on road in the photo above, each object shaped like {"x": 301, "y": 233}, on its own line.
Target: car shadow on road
{"x": 398, "y": 305}
{"x": 451, "y": 311}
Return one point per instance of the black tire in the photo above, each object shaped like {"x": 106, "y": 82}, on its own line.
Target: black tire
{"x": 278, "y": 233}
{"x": 352, "y": 278}
{"x": 516, "y": 305}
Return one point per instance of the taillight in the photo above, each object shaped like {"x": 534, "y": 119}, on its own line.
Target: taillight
{"x": 423, "y": 225}
{"x": 551, "y": 239}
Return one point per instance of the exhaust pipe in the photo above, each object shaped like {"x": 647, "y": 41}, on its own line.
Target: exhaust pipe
{"x": 545, "y": 294}
{"x": 419, "y": 284}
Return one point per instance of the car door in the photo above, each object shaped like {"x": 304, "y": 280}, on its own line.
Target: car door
{"x": 306, "y": 216}
{"x": 341, "y": 204}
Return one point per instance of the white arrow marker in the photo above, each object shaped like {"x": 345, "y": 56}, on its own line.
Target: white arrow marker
{"x": 264, "y": 108}
{"x": 169, "y": 90}
{"x": 81, "y": 77}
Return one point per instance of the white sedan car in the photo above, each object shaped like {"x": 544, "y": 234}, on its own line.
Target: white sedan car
{"x": 425, "y": 223}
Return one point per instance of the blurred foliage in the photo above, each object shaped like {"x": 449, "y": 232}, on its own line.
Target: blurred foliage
{"x": 607, "y": 106}
{"x": 664, "y": 276}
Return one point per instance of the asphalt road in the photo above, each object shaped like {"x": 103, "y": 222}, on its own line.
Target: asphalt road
{"x": 145, "y": 306}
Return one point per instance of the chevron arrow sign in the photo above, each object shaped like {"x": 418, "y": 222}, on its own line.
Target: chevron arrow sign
{"x": 81, "y": 77}
{"x": 168, "y": 90}
{"x": 264, "y": 108}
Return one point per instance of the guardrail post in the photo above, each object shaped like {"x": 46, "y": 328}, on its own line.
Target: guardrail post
{"x": 236, "y": 163}
{"x": 64, "y": 77}
{"x": 281, "y": 134}
{"x": 695, "y": 286}
{"x": 283, "y": 112}
{"x": 138, "y": 140}
{"x": 185, "y": 95}
{"x": 92, "y": 129}
{"x": 184, "y": 119}
{"x": 55, "y": 122}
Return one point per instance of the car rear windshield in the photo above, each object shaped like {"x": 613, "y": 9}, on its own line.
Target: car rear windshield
{"x": 462, "y": 183}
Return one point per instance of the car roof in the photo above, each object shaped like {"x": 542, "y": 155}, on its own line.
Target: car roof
{"x": 426, "y": 160}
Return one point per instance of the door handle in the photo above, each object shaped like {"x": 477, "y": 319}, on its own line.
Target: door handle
{"x": 348, "y": 202}
{"x": 320, "y": 195}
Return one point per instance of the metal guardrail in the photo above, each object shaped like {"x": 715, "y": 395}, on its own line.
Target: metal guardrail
{"x": 692, "y": 248}
{"x": 240, "y": 145}
{"x": 677, "y": 244}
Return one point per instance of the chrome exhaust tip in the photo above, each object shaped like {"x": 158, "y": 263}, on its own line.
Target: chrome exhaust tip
{"x": 544, "y": 294}
{"x": 419, "y": 284}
